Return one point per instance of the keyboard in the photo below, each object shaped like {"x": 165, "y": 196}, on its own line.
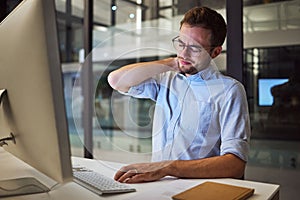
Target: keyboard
{"x": 99, "y": 183}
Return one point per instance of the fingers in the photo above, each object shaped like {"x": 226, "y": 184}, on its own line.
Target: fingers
{"x": 132, "y": 177}
{"x": 142, "y": 172}
{"x": 123, "y": 175}
{"x": 138, "y": 178}
{"x": 176, "y": 64}
{"x": 119, "y": 174}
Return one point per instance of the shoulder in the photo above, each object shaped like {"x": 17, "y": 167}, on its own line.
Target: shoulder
{"x": 225, "y": 87}
{"x": 229, "y": 83}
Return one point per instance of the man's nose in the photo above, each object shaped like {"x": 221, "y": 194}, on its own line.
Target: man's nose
{"x": 185, "y": 52}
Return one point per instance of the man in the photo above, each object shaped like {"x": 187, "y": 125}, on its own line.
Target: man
{"x": 201, "y": 123}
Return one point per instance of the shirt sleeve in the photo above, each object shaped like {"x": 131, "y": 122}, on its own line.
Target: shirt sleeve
{"x": 147, "y": 89}
{"x": 235, "y": 123}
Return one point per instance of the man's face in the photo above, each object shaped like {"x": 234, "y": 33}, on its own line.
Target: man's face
{"x": 191, "y": 62}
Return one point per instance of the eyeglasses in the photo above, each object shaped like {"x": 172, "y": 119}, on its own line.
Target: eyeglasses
{"x": 179, "y": 45}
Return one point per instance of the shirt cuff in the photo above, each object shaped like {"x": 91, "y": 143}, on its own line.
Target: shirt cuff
{"x": 238, "y": 147}
{"x": 133, "y": 91}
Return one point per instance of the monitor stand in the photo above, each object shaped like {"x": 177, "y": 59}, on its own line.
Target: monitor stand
{"x": 21, "y": 186}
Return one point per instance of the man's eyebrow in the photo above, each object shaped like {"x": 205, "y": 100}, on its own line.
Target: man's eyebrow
{"x": 192, "y": 45}
{"x": 180, "y": 40}
{"x": 196, "y": 45}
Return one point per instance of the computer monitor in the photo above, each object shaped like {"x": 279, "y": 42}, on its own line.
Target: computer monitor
{"x": 33, "y": 108}
{"x": 265, "y": 97}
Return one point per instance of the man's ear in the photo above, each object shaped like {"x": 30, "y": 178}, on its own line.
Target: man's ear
{"x": 216, "y": 51}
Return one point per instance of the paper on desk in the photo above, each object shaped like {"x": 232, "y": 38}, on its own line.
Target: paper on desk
{"x": 167, "y": 191}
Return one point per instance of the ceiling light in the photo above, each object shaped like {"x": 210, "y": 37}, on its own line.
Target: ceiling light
{"x": 131, "y": 15}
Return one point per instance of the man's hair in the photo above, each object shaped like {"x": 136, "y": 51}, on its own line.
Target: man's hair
{"x": 209, "y": 19}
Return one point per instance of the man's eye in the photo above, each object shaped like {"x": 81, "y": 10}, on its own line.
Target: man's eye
{"x": 195, "y": 49}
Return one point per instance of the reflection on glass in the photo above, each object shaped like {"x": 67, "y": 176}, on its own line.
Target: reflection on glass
{"x": 265, "y": 97}
{"x": 272, "y": 84}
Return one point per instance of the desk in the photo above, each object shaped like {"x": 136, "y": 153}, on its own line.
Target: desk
{"x": 11, "y": 167}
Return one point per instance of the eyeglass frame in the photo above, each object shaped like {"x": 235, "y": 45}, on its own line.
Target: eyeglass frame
{"x": 200, "y": 48}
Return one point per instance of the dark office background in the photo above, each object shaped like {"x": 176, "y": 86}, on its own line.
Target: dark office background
{"x": 275, "y": 128}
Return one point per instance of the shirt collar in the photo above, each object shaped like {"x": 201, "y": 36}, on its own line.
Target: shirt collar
{"x": 206, "y": 73}
{"x": 201, "y": 75}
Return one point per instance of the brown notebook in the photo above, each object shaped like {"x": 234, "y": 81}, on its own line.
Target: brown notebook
{"x": 212, "y": 191}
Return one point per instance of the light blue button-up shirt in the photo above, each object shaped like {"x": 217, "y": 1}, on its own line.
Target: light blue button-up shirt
{"x": 199, "y": 116}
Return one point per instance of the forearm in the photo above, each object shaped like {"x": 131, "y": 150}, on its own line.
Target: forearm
{"x": 228, "y": 166}
{"x": 130, "y": 75}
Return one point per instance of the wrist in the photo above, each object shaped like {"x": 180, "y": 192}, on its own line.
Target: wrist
{"x": 171, "y": 168}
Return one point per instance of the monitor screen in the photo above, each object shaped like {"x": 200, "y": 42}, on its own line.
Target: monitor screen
{"x": 33, "y": 108}
{"x": 265, "y": 97}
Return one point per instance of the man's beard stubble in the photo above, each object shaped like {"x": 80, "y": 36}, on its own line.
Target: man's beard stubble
{"x": 192, "y": 70}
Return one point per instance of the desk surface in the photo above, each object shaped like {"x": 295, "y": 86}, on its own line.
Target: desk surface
{"x": 12, "y": 167}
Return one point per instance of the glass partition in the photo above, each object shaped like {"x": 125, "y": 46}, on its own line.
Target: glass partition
{"x": 273, "y": 80}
